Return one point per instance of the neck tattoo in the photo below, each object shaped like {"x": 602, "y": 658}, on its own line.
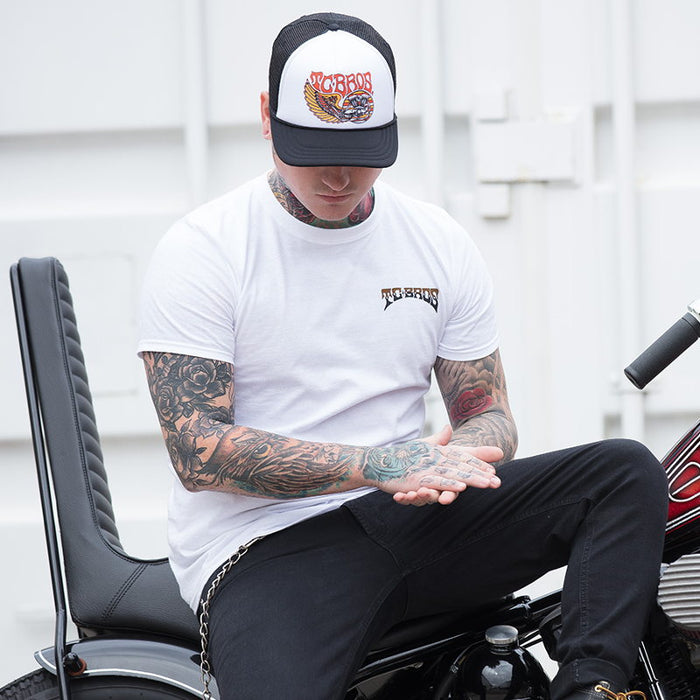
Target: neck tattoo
{"x": 289, "y": 201}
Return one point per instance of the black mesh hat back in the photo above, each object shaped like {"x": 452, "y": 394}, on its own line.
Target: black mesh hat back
{"x": 348, "y": 123}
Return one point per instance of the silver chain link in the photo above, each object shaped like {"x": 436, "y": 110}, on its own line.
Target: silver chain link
{"x": 204, "y": 665}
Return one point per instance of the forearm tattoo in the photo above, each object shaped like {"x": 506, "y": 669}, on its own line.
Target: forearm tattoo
{"x": 477, "y": 402}
{"x": 194, "y": 400}
{"x": 266, "y": 464}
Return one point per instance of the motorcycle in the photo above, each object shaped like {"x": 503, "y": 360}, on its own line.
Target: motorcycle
{"x": 138, "y": 639}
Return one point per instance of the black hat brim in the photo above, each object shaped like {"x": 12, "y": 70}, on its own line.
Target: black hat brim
{"x": 376, "y": 147}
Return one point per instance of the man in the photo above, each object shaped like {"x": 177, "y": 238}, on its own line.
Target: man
{"x": 289, "y": 333}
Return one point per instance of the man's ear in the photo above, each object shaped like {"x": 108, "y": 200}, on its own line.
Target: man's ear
{"x": 265, "y": 115}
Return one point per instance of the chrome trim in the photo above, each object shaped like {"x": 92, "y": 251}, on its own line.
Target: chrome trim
{"x": 44, "y": 661}
{"x": 97, "y": 667}
{"x": 673, "y": 470}
{"x": 694, "y": 308}
{"x": 654, "y": 685}
{"x": 135, "y": 673}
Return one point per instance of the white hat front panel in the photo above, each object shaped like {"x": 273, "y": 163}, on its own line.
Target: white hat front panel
{"x": 336, "y": 81}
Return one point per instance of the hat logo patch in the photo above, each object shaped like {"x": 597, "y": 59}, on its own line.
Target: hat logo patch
{"x": 339, "y": 98}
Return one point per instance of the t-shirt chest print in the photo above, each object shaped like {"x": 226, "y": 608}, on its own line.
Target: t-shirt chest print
{"x": 429, "y": 295}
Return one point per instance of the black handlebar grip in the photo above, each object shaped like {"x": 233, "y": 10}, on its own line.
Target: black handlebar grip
{"x": 664, "y": 350}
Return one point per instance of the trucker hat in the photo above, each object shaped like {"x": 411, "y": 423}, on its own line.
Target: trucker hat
{"x": 332, "y": 84}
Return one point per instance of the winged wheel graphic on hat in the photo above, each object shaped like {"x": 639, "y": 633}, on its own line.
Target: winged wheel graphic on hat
{"x": 356, "y": 107}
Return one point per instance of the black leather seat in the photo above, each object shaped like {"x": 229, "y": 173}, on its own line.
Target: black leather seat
{"x": 107, "y": 588}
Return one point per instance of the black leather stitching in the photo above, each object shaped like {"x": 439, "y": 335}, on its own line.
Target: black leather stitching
{"x": 123, "y": 590}
{"x": 83, "y": 421}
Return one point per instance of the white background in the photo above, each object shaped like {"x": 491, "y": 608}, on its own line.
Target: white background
{"x": 564, "y": 134}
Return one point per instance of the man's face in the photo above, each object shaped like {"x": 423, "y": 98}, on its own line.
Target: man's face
{"x": 328, "y": 192}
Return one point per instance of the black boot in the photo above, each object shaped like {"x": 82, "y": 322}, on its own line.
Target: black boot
{"x": 603, "y": 691}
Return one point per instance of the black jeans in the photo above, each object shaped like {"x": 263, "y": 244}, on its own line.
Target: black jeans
{"x": 297, "y": 615}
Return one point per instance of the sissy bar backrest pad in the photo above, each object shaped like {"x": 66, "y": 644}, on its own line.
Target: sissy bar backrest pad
{"x": 108, "y": 590}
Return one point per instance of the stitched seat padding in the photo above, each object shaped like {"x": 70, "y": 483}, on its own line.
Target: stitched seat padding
{"x": 107, "y": 589}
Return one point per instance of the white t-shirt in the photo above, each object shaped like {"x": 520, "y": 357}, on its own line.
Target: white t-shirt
{"x": 332, "y": 335}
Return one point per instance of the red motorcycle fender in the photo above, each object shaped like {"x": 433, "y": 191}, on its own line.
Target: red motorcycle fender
{"x": 159, "y": 661}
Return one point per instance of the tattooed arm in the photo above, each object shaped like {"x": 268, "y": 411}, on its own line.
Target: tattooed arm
{"x": 194, "y": 400}
{"x": 477, "y": 402}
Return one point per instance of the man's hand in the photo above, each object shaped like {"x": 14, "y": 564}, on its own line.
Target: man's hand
{"x": 444, "y": 472}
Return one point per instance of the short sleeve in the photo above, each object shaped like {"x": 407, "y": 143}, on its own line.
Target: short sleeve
{"x": 471, "y": 331}
{"x": 188, "y": 297}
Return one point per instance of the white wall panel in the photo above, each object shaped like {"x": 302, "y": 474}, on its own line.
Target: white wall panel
{"x": 89, "y": 174}
{"x": 667, "y": 52}
{"x": 666, "y": 55}
{"x": 84, "y": 66}
{"x": 237, "y": 153}
{"x": 478, "y": 50}
{"x": 604, "y": 163}
{"x": 567, "y": 52}
{"x": 668, "y": 144}
{"x": 238, "y": 53}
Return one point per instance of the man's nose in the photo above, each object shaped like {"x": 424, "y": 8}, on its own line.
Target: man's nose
{"x": 337, "y": 178}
